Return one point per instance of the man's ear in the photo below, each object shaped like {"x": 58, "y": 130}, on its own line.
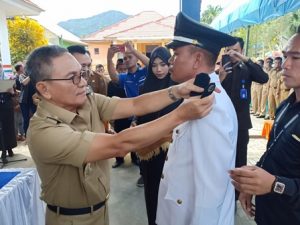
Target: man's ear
{"x": 43, "y": 90}
{"x": 198, "y": 60}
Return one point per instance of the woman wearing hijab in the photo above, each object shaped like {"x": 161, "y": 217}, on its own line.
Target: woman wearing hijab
{"x": 153, "y": 157}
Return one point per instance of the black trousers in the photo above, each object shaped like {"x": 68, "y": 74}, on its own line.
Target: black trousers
{"x": 133, "y": 156}
{"x": 152, "y": 170}
{"x": 120, "y": 125}
{"x": 241, "y": 151}
{"x": 241, "y": 148}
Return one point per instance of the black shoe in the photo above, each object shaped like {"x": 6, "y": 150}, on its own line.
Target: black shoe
{"x": 10, "y": 153}
{"x": 3, "y": 157}
{"x": 140, "y": 182}
{"x": 260, "y": 116}
{"x": 117, "y": 164}
{"x": 4, "y": 160}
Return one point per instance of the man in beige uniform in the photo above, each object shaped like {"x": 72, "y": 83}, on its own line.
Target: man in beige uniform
{"x": 265, "y": 89}
{"x": 274, "y": 74}
{"x": 253, "y": 99}
{"x": 66, "y": 138}
{"x": 282, "y": 91}
{"x": 257, "y": 92}
{"x": 95, "y": 79}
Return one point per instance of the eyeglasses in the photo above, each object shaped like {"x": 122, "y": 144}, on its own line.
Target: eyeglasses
{"x": 75, "y": 79}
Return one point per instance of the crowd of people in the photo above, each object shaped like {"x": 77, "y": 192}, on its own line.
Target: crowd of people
{"x": 272, "y": 93}
{"x": 17, "y": 106}
{"x": 82, "y": 118}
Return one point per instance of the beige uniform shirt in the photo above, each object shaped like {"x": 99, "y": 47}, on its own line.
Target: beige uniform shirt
{"x": 98, "y": 82}
{"x": 281, "y": 85}
{"x": 59, "y": 141}
{"x": 274, "y": 75}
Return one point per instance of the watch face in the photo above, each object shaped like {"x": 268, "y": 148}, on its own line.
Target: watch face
{"x": 279, "y": 187}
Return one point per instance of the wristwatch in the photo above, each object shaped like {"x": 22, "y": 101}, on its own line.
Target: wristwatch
{"x": 278, "y": 186}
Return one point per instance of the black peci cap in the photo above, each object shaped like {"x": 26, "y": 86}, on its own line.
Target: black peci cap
{"x": 190, "y": 32}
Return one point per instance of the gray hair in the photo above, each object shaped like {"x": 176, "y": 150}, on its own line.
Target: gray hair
{"x": 39, "y": 63}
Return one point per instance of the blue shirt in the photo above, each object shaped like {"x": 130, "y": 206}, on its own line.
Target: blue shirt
{"x": 131, "y": 82}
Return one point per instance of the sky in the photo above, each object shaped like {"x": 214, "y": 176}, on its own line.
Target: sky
{"x": 60, "y": 10}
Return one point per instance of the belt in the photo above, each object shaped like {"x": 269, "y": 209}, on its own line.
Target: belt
{"x": 76, "y": 211}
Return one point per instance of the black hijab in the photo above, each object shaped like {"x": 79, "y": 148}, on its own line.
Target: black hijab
{"x": 152, "y": 83}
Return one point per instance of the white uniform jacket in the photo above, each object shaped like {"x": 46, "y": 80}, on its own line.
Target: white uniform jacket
{"x": 195, "y": 188}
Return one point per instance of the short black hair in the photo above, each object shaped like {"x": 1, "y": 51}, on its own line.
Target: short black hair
{"x": 18, "y": 67}
{"x": 269, "y": 58}
{"x": 39, "y": 63}
{"x": 261, "y": 61}
{"x": 119, "y": 62}
{"x": 99, "y": 65}
{"x": 77, "y": 49}
{"x": 240, "y": 41}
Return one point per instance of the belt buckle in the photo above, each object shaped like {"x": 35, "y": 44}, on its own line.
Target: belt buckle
{"x": 92, "y": 209}
{"x": 107, "y": 197}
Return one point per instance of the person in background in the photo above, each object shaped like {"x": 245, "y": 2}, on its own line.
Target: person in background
{"x": 96, "y": 80}
{"x": 121, "y": 67}
{"x": 273, "y": 98}
{"x": 100, "y": 69}
{"x": 121, "y": 124}
{"x": 265, "y": 90}
{"x": 257, "y": 88}
{"x": 237, "y": 84}
{"x": 66, "y": 136}
{"x": 275, "y": 180}
{"x": 27, "y": 105}
{"x": 194, "y": 187}
{"x": 7, "y": 125}
{"x": 152, "y": 161}
{"x": 19, "y": 127}
{"x": 282, "y": 91}
{"x": 130, "y": 81}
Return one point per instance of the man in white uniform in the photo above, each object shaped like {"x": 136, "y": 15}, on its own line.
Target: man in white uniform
{"x": 195, "y": 188}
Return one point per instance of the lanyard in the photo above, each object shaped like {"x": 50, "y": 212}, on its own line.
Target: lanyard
{"x": 276, "y": 137}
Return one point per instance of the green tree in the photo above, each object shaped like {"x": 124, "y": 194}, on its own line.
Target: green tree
{"x": 25, "y": 35}
{"x": 293, "y": 21}
{"x": 271, "y": 35}
{"x": 210, "y": 13}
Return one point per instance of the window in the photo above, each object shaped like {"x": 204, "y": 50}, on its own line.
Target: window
{"x": 96, "y": 51}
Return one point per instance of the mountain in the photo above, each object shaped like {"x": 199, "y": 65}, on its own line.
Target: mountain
{"x": 84, "y": 26}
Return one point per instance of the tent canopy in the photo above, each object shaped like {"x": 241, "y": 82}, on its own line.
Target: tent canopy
{"x": 248, "y": 12}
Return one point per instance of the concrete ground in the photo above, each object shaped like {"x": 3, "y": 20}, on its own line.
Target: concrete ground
{"x": 127, "y": 205}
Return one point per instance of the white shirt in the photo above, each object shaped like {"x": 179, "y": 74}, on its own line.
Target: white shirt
{"x": 195, "y": 188}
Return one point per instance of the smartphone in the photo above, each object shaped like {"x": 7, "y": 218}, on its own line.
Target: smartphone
{"x": 226, "y": 60}
{"x": 120, "y": 47}
{"x": 201, "y": 80}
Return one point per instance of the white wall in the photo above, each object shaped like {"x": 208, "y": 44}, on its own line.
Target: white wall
{"x": 4, "y": 44}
